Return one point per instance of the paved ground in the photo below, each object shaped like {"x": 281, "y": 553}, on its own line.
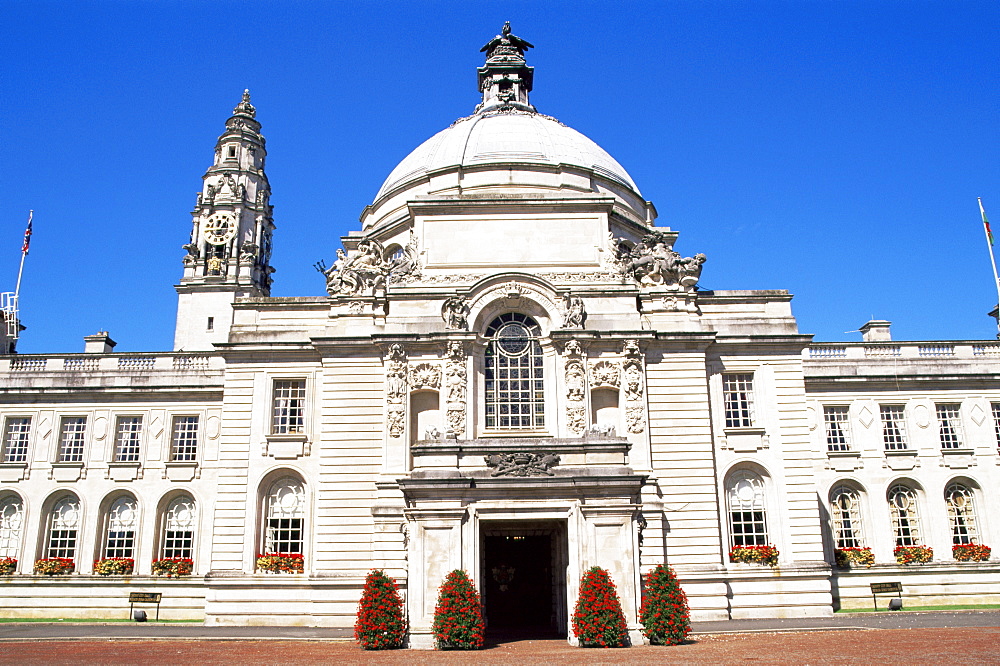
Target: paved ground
{"x": 898, "y": 638}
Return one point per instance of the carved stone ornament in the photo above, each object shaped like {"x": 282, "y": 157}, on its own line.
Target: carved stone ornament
{"x": 455, "y": 312}
{"x": 605, "y": 373}
{"x": 576, "y": 384}
{"x": 395, "y": 390}
{"x": 574, "y": 313}
{"x": 654, "y": 263}
{"x": 425, "y": 376}
{"x": 633, "y": 383}
{"x": 522, "y": 464}
{"x": 367, "y": 270}
{"x": 455, "y": 388}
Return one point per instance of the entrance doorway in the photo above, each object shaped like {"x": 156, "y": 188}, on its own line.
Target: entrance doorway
{"x": 524, "y": 574}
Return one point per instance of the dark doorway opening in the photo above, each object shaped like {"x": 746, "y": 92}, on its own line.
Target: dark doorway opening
{"x": 521, "y": 589}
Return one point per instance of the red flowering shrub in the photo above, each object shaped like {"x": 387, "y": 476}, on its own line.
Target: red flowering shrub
{"x": 380, "y": 624}
{"x": 664, "y": 615}
{"x": 458, "y": 616}
{"x": 970, "y": 552}
{"x": 598, "y": 619}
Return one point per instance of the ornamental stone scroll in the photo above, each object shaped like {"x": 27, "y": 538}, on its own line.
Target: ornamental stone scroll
{"x": 455, "y": 388}
{"x": 633, "y": 383}
{"x": 396, "y": 390}
{"x": 576, "y": 384}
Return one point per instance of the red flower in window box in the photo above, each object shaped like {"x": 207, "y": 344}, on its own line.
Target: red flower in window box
{"x": 54, "y": 566}
{"x": 173, "y": 566}
{"x": 970, "y": 552}
{"x": 281, "y": 563}
{"x": 114, "y": 566}
{"x": 854, "y": 555}
{"x": 8, "y": 566}
{"x": 754, "y": 555}
{"x": 913, "y": 554}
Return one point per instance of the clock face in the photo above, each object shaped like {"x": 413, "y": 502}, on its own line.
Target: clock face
{"x": 219, "y": 228}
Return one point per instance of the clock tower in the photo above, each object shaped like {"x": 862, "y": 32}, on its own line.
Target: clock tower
{"x": 229, "y": 252}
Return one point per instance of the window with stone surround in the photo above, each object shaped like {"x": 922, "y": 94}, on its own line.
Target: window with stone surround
{"x": 120, "y": 525}
{"x": 514, "y": 385}
{"x": 996, "y": 421}
{"x": 16, "y": 433}
{"x": 177, "y": 528}
{"x": 737, "y": 394}
{"x": 838, "y": 427}
{"x": 288, "y": 407}
{"x": 845, "y": 508}
{"x": 184, "y": 440}
{"x": 904, "y": 515}
{"x": 284, "y": 517}
{"x": 893, "y": 427}
{"x": 962, "y": 514}
{"x": 72, "y": 431}
{"x": 128, "y": 437}
{"x": 62, "y": 529}
{"x": 11, "y": 524}
{"x": 949, "y": 418}
{"x": 747, "y": 511}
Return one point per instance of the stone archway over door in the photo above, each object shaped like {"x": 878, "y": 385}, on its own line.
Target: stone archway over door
{"x": 524, "y": 577}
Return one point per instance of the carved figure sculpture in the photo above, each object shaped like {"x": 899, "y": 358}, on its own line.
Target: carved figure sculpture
{"x": 455, "y": 312}
{"x": 654, "y": 263}
{"x": 575, "y": 312}
{"x": 367, "y": 269}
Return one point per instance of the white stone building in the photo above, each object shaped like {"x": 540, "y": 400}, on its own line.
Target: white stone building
{"x": 513, "y": 373}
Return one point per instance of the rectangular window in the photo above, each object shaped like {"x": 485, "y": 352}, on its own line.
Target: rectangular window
{"x": 996, "y": 421}
{"x": 71, "y": 435}
{"x": 178, "y": 543}
{"x": 15, "y": 439}
{"x": 737, "y": 392}
{"x": 284, "y": 535}
{"x": 893, "y": 427}
{"x": 838, "y": 428}
{"x": 949, "y": 419}
{"x": 128, "y": 433}
{"x": 184, "y": 442}
{"x": 288, "y": 407}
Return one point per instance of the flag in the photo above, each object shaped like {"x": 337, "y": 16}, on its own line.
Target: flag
{"x": 986, "y": 223}
{"x": 27, "y": 235}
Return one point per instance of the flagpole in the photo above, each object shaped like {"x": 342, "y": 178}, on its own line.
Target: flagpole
{"x": 993, "y": 260}
{"x": 24, "y": 253}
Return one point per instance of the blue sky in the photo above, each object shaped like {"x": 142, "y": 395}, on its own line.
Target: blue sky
{"x": 834, "y": 149}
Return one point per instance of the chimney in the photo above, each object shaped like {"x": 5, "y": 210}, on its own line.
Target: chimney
{"x": 99, "y": 343}
{"x": 876, "y": 330}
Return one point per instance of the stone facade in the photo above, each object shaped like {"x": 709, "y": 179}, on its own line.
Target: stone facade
{"x": 513, "y": 373}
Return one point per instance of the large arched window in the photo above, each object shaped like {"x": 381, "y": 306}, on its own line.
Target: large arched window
{"x": 962, "y": 514}
{"x": 845, "y": 507}
{"x": 284, "y": 517}
{"x": 514, "y": 388}
{"x": 120, "y": 523}
{"x": 903, "y": 513}
{"x": 177, "y": 528}
{"x": 747, "y": 512}
{"x": 11, "y": 520}
{"x": 63, "y": 529}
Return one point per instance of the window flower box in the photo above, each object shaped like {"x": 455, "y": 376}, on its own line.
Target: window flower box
{"x": 114, "y": 566}
{"x": 54, "y": 566}
{"x": 8, "y": 566}
{"x": 281, "y": 563}
{"x": 173, "y": 566}
{"x": 970, "y": 552}
{"x": 767, "y": 555}
{"x": 854, "y": 556}
{"x": 913, "y": 554}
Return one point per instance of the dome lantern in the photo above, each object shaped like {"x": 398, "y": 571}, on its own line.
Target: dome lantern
{"x": 505, "y": 80}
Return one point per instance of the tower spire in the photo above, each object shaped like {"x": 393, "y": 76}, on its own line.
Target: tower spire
{"x": 506, "y": 79}
{"x": 229, "y": 250}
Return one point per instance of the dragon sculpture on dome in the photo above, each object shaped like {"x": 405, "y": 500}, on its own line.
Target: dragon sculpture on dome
{"x": 506, "y": 47}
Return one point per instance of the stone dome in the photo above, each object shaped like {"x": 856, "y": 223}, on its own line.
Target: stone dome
{"x": 513, "y": 137}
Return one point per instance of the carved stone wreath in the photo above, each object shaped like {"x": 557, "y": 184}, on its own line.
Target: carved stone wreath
{"x": 522, "y": 464}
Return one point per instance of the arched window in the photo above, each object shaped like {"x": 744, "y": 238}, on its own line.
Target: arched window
{"x": 845, "y": 507}
{"x": 11, "y": 520}
{"x": 62, "y": 533}
{"x": 284, "y": 517}
{"x": 120, "y": 528}
{"x": 747, "y": 513}
{"x": 962, "y": 514}
{"x": 177, "y": 528}
{"x": 904, "y": 516}
{"x": 514, "y": 388}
